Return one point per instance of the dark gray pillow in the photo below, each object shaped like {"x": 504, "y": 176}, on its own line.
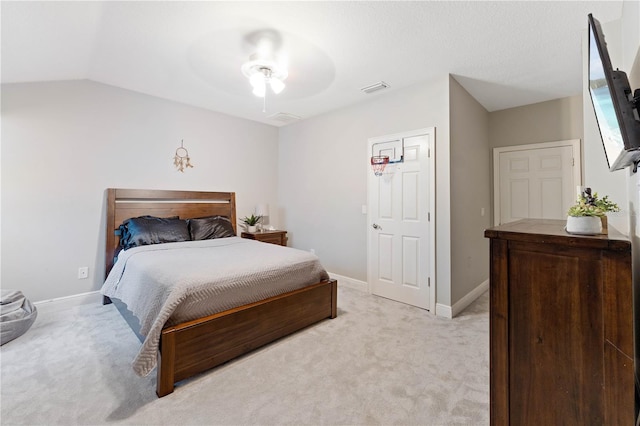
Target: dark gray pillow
{"x": 146, "y": 230}
{"x": 208, "y": 228}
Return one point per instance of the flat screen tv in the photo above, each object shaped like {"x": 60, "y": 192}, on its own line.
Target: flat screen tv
{"x": 615, "y": 108}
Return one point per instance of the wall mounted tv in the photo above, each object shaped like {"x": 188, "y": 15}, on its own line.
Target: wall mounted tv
{"x": 615, "y": 107}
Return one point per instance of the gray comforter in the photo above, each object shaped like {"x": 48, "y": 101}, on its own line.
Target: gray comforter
{"x": 175, "y": 282}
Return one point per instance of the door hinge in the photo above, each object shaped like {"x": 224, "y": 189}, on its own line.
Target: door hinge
{"x": 429, "y": 217}
{"x": 428, "y": 281}
{"x": 428, "y": 152}
{"x": 573, "y": 162}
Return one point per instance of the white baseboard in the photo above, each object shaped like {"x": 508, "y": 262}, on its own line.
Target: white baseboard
{"x": 66, "y": 302}
{"x": 447, "y": 311}
{"x": 350, "y": 282}
{"x": 443, "y": 311}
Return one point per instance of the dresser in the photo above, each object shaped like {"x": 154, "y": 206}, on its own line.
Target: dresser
{"x": 561, "y": 326}
{"x": 273, "y": 237}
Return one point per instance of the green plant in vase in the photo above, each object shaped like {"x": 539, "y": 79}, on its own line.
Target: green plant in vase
{"x": 251, "y": 222}
{"x": 593, "y": 211}
{"x": 591, "y": 205}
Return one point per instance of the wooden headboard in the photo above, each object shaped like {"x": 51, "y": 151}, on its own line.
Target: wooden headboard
{"x": 123, "y": 204}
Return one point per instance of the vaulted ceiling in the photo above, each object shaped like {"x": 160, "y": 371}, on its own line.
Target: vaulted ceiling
{"x": 505, "y": 53}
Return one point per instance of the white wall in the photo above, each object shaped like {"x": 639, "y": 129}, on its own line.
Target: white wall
{"x": 470, "y": 192}
{"x": 64, "y": 143}
{"x": 549, "y": 121}
{"x": 630, "y": 42}
{"x": 323, "y": 171}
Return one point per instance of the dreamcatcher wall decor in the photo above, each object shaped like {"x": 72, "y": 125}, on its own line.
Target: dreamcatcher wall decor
{"x": 181, "y": 159}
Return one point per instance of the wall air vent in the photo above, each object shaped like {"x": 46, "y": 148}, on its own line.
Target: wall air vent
{"x": 375, "y": 87}
{"x": 284, "y": 117}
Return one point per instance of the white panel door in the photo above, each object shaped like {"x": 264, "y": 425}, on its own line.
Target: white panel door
{"x": 399, "y": 240}
{"x": 536, "y": 183}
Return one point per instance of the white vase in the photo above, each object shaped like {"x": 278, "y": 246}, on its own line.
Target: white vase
{"x": 584, "y": 225}
{"x": 252, "y": 228}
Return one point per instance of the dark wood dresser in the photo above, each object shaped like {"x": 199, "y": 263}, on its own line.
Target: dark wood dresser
{"x": 273, "y": 237}
{"x": 562, "y": 326}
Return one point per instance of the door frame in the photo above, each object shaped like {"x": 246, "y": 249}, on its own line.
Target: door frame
{"x": 575, "y": 144}
{"x": 431, "y": 267}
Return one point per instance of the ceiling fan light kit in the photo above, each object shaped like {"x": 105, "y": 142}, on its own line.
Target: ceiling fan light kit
{"x": 262, "y": 73}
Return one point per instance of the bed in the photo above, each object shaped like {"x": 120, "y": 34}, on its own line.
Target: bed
{"x": 190, "y": 347}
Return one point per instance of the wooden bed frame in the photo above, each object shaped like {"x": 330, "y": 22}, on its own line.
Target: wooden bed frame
{"x": 195, "y": 346}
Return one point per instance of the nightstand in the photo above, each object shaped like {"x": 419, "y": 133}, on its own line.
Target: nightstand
{"x": 273, "y": 237}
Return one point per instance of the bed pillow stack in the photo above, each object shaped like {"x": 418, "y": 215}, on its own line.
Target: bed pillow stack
{"x": 146, "y": 230}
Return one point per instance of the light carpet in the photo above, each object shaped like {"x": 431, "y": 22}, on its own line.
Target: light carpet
{"x": 378, "y": 362}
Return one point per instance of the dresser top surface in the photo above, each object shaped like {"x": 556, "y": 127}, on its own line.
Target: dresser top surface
{"x": 553, "y": 231}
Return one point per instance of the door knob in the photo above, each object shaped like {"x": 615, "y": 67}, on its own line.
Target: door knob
{"x": 376, "y": 226}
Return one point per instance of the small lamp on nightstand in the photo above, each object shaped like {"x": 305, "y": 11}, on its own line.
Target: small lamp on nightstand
{"x": 263, "y": 210}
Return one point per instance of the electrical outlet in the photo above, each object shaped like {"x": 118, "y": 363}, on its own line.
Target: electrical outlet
{"x": 83, "y": 272}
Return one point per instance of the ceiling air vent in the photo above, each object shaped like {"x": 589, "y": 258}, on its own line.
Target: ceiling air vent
{"x": 375, "y": 87}
{"x": 284, "y": 117}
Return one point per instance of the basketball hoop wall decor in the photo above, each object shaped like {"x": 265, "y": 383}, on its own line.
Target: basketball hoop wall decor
{"x": 182, "y": 160}
{"x": 385, "y": 153}
{"x": 378, "y": 163}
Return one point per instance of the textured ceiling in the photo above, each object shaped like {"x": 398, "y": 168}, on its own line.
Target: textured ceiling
{"x": 504, "y": 53}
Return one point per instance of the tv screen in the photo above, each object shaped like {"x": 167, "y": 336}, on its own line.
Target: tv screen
{"x": 615, "y": 110}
